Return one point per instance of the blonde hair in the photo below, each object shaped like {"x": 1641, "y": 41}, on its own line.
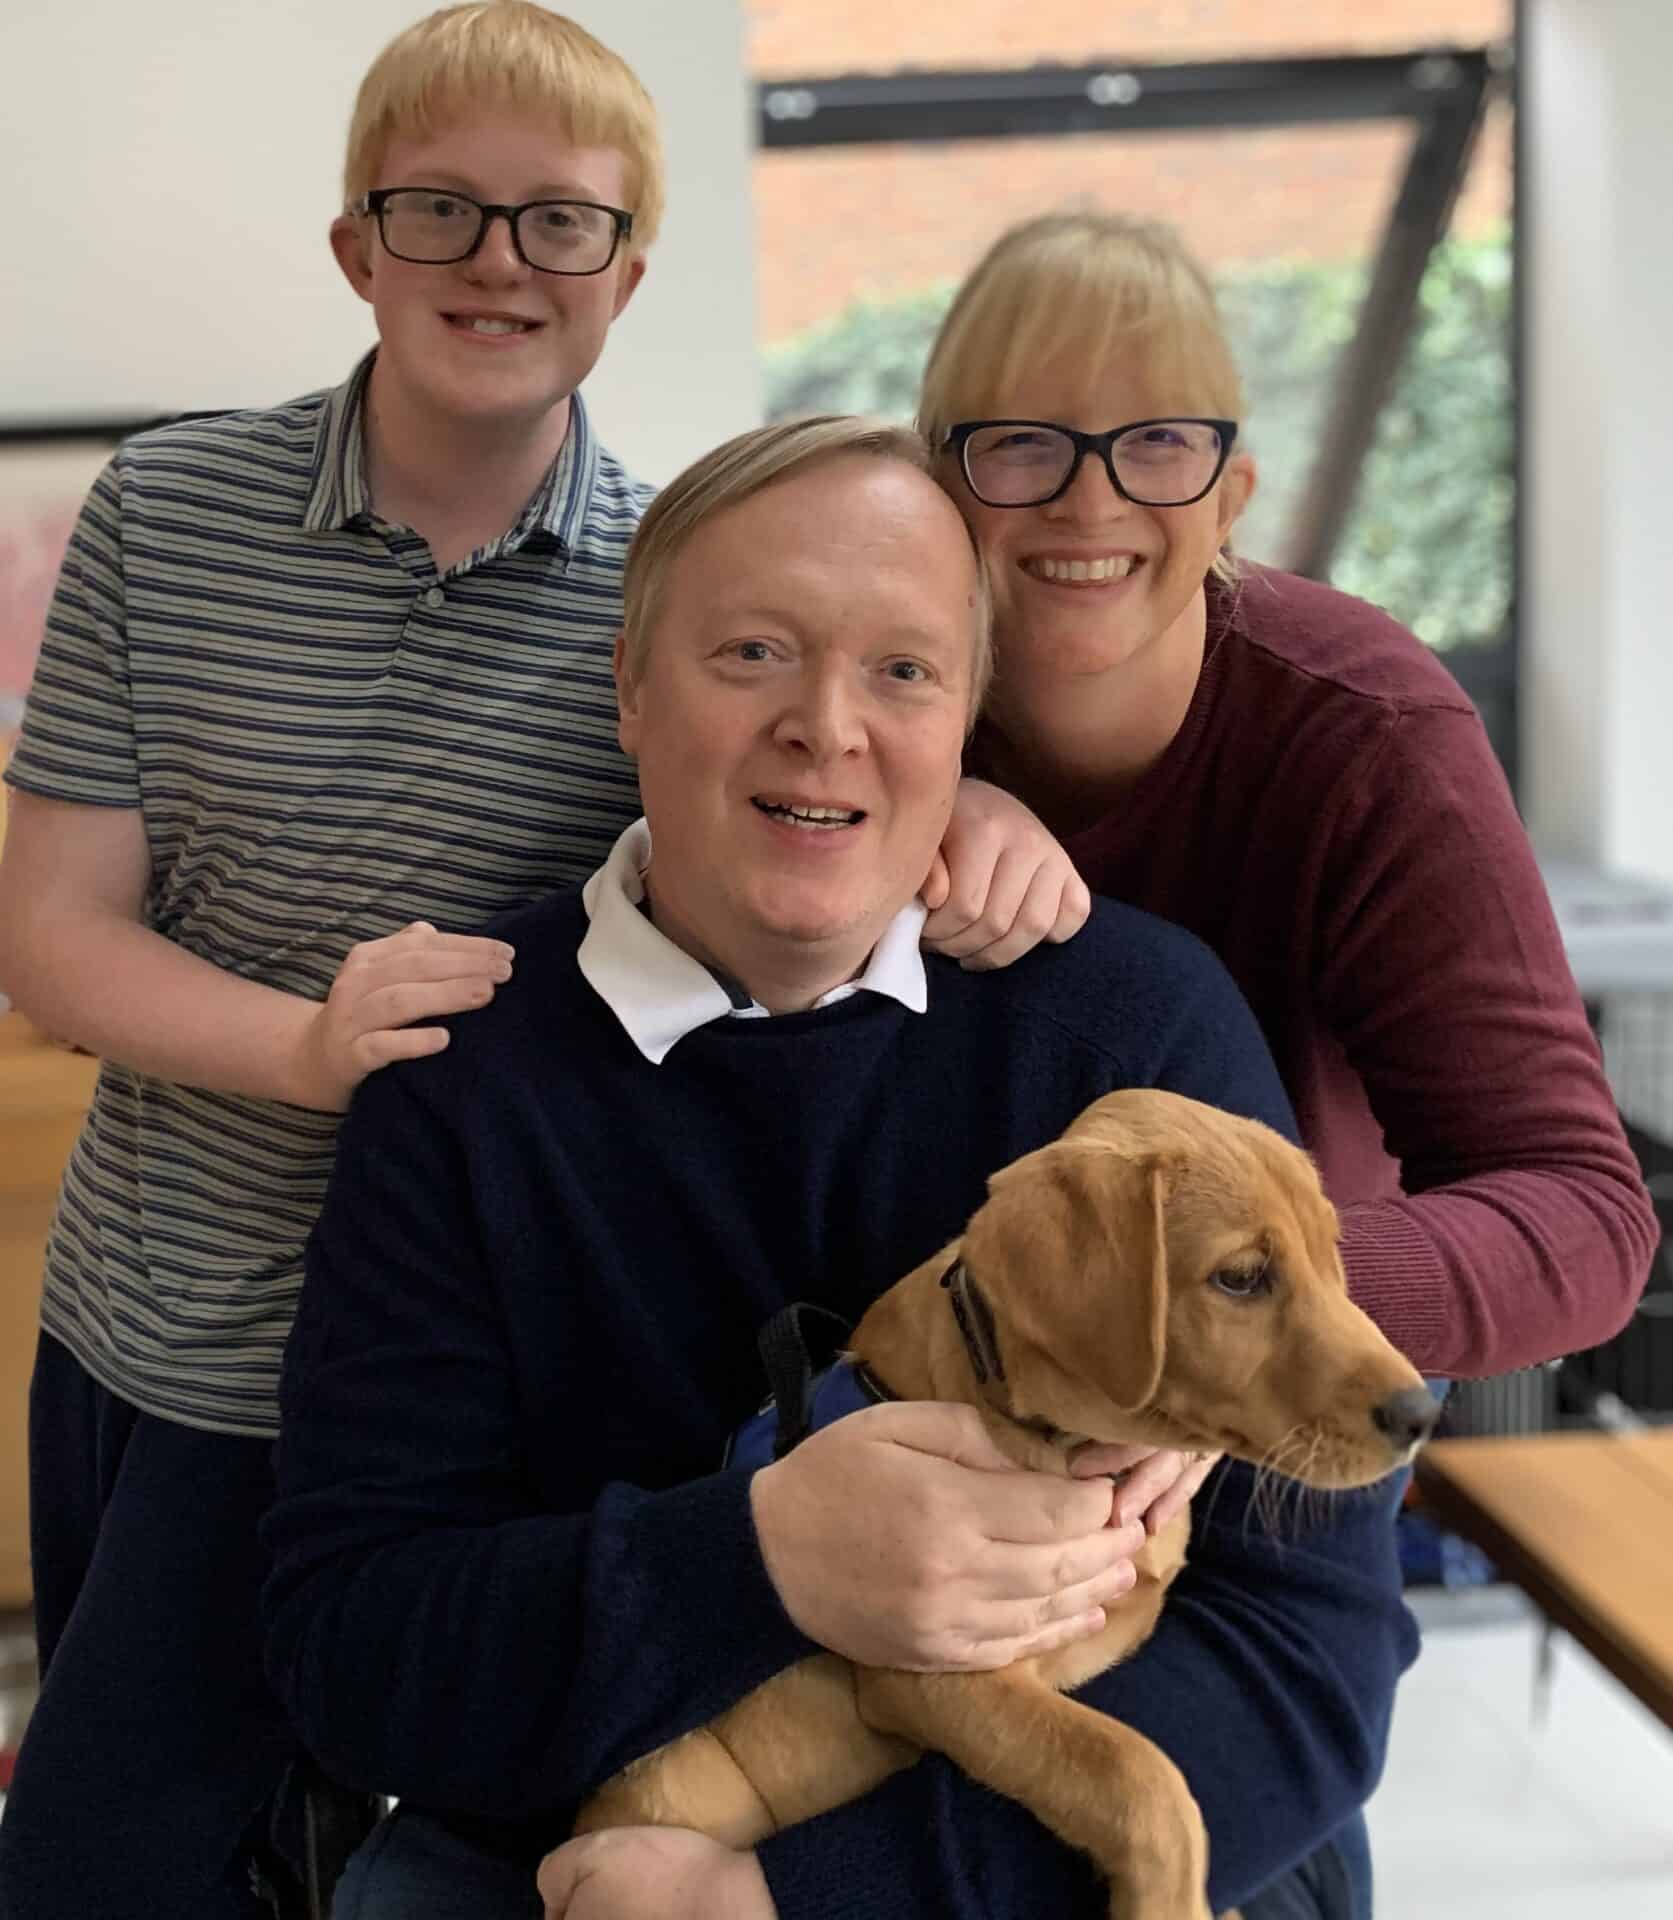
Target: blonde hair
{"x": 1087, "y": 289}
{"x": 508, "y": 56}
{"x": 739, "y": 469}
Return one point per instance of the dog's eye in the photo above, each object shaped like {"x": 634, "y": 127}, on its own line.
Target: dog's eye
{"x": 1242, "y": 1283}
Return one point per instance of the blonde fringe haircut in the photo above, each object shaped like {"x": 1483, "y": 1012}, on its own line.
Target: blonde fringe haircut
{"x": 508, "y": 56}
{"x": 1097, "y": 291}
{"x": 747, "y": 465}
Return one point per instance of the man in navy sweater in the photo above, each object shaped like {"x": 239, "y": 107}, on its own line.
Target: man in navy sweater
{"x": 724, "y": 1077}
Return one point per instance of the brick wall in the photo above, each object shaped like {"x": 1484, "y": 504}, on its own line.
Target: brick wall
{"x": 838, "y": 223}
{"x": 790, "y": 37}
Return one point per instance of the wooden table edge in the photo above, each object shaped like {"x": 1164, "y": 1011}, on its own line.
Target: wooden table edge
{"x": 1650, "y": 1683}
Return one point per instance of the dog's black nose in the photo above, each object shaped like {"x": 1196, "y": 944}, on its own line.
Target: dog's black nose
{"x": 1407, "y": 1417}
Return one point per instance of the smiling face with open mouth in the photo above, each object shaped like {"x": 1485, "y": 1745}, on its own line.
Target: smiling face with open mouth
{"x": 488, "y": 339}
{"x": 1091, "y": 581}
{"x": 799, "y": 718}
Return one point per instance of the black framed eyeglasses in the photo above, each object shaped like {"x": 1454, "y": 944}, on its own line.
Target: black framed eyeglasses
{"x": 1153, "y": 463}
{"x": 435, "y": 226}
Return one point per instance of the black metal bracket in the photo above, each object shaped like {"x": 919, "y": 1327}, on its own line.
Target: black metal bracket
{"x": 1111, "y": 96}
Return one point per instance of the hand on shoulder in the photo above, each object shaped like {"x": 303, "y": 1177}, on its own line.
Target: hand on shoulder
{"x": 1000, "y": 884}
{"x": 382, "y": 988}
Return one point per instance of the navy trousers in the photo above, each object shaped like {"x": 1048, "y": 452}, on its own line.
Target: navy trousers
{"x": 1332, "y": 1884}
{"x": 156, "y": 1745}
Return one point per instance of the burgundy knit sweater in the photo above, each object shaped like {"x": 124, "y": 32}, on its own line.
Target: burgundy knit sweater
{"x": 1331, "y": 820}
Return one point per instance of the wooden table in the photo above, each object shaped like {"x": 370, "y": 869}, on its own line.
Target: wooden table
{"x": 44, "y": 1092}
{"x": 1583, "y": 1523}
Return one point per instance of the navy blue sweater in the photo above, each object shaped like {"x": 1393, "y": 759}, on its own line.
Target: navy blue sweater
{"x": 505, "y": 1562}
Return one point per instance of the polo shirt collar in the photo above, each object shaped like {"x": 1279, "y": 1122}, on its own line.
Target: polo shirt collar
{"x": 340, "y": 495}
{"x": 660, "y": 993}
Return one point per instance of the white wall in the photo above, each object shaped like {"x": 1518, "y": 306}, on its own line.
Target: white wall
{"x": 211, "y": 132}
{"x": 1597, "y": 646}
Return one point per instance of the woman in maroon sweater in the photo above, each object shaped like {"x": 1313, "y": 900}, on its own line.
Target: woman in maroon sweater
{"x": 1292, "y": 775}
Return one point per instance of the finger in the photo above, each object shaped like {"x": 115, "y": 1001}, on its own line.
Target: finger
{"x": 1179, "y": 1496}
{"x": 1035, "y": 918}
{"x": 1007, "y": 1504}
{"x": 1038, "y": 1509}
{"x": 934, "y": 891}
{"x": 383, "y": 963}
{"x": 947, "y": 1430}
{"x": 1146, "y": 1484}
{"x": 362, "y": 996}
{"x": 1090, "y": 1459}
{"x": 398, "y": 959}
{"x": 420, "y": 934}
{"x": 984, "y": 1655}
{"x": 475, "y": 947}
{"x": 1073, "y": 910}
{"x": 374, "y": 1050}
{"x": 969, "y": 885}
{"x": 1047, "y": 1573}
{"x": 991, "y": 916}
{"x": 392, "y": 1007}
{"x": 558, "y": 1877}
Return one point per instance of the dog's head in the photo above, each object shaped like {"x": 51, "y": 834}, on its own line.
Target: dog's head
{"x": 1168, "y": 1272}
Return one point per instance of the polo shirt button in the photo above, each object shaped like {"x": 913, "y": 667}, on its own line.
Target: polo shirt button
{"x": 435, "y": 598}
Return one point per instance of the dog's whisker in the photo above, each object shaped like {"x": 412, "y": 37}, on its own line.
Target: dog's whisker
{"x": 1310, "y": 1500}
{"x": 1217, "y": 1482}
{"x": 1265, "y": 1500}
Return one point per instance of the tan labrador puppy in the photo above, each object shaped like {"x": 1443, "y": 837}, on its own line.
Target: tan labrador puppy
{"x": 1164, "y": 1273}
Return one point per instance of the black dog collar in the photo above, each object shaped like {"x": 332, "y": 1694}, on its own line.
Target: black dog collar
{"x": 975, "y": 1323}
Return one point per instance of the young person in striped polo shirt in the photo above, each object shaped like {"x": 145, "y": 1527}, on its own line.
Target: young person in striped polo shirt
{"x": 323, "y": 686}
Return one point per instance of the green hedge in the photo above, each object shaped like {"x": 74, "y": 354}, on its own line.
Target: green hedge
{"x": 1429, "y": 537}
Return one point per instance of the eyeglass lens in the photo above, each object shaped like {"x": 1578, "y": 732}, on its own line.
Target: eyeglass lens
{"x": 1160, "y": 464}
{"x": 560, "y": 236}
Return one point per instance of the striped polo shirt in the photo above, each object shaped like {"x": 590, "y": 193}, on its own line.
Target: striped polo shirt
{"x": 326, "y": 739}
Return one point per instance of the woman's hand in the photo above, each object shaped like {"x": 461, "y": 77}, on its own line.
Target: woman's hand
{"x": 1000, "y": 884}
{"x": 653, "y": 1873}
{"x": 1154, "y": 1484}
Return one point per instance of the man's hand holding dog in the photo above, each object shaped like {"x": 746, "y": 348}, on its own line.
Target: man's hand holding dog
{"x": 902, "y": 1537}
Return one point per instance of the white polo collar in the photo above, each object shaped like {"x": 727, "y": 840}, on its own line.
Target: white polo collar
{"x": 660, "y": 993}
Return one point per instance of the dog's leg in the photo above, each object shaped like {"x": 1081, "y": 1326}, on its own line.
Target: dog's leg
{"x": 793, "y": 1748}
{"x": 1095, "y": 1783}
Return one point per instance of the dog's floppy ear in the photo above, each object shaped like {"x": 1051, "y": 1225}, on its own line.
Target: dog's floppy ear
{"x": 1070, "y": 1248}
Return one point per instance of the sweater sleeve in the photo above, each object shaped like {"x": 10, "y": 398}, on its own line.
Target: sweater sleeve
{"x": 1525, "y": 1230}
{"x": 1269, "y": 1681}
{"x": 432, "y": 1630}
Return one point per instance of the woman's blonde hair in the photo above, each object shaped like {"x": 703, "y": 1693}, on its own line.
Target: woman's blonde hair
{"x": 508, "y": 56}
{"x": 1090, "y": 290}
{"x": 736, "y": 471}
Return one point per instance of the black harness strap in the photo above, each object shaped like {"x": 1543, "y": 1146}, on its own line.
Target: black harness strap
{"x": 797, "y": 1343}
